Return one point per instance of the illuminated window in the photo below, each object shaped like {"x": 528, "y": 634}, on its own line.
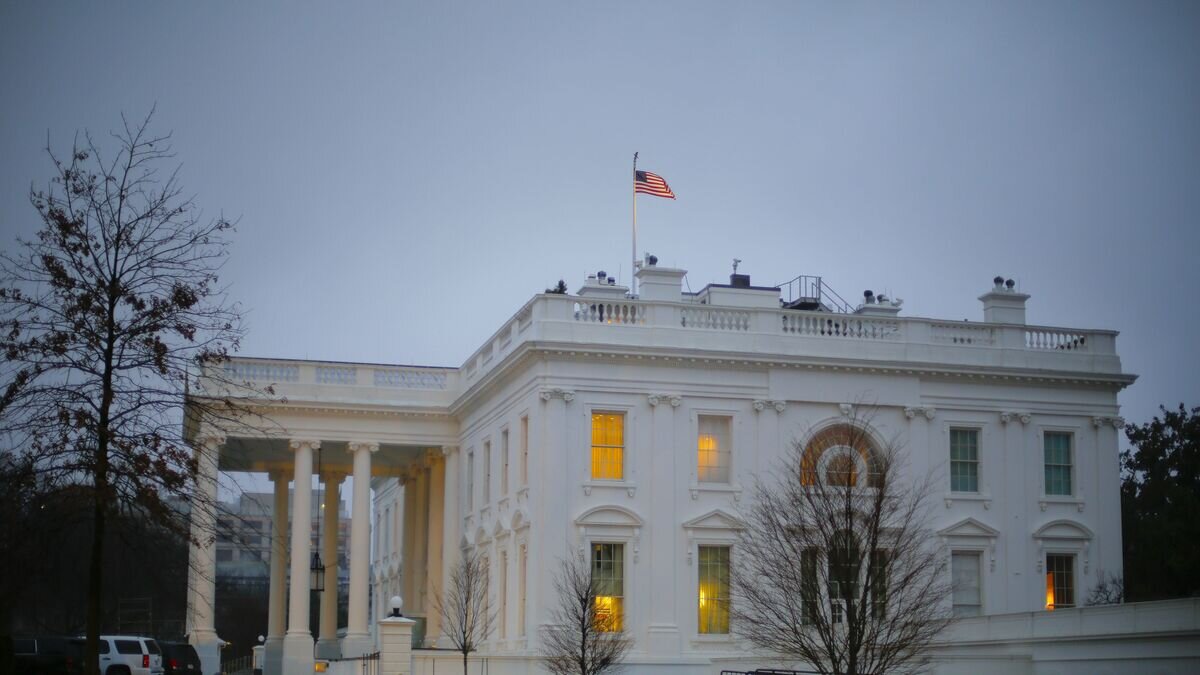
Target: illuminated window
{"x": 964, "y": 460}
{"x": 714, "y": 589}
{"x": 838, "y": 441}
{"x": 1060, "y": 581}
{"x": 1057, "y": 447}
{"x": 608, "y": 446}
{"x": 964, "y": 572}
{"x": 608, "y": 573}
{"x": 713, "y": 449}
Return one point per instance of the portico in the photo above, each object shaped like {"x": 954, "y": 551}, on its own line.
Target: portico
{"x": 344, "y": 442}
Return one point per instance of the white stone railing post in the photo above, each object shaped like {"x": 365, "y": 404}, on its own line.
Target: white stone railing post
{"x": 395, "y": 646}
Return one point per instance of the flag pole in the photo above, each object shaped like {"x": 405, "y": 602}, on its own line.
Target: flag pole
{"x": 633, "y": 268}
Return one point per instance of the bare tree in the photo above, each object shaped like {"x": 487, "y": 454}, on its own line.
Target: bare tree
{"x": 467, "y": 617}
{"x": 582, "y": 639}
{"x": 105, "y": 315}
{"x": 836, "y": 565}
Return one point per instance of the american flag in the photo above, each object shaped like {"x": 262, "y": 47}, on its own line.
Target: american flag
{"x": 651, "y": 184}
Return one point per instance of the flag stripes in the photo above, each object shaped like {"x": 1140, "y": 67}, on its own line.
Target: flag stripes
{"x": 651, "y": 184}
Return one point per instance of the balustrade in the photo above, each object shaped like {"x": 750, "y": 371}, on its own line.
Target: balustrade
{"x": 627, "y": 313}
{"x": 1053, "y": 338}
{"x": 714, "y": 318}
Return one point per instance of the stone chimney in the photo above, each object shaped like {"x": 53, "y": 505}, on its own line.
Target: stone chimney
{"x": 1003, "y": 304}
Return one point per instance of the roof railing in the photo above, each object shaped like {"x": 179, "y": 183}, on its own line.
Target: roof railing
{"x": 812, "y": 293}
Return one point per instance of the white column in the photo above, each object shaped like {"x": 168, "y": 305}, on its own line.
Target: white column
{"x": 407, "y": 537}
{"x": 451, "y": 521}
{"x": 436, "y": 531}
{"x": 298, "y": 642}
{"x": 203, "y": 634}
{"x": 277, "y": 600}
{"x": 420, "y": 521}
{"x": 327, "y": 643}
{"x": 358, "y": 641}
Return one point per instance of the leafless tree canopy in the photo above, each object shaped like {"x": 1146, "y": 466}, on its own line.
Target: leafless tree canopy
{"x": 467, "y": 617}
{"x": 836, "y": 566}
{"x": 578, "y": 640}
{"x": 104, "y": 316}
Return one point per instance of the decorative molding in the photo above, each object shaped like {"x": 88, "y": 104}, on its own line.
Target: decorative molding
{"x": 298, "y": 443}
{"x": 762, "y": 404}
{"x": 566, "y": 395}
{"x": 654, "y": 399}
{"x": 448, "y": 450}
{"x": 912, "y": 411}
{"x": 1116, "y": 422}
{"x": 210, "y": 436}
{"x": 847, "y": 409}
{"x": 1009, "y": 416}
{"x": 354, "y": 446}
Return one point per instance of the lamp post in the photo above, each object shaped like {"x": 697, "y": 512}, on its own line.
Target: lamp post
{"x": 317, "y": 573}
{"x": 397, "y": 603}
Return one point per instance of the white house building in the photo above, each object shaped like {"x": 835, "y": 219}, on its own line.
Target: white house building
{"x": 630, "y": 430}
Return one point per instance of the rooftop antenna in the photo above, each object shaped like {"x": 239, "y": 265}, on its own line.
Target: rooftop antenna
{"x": 736, "y": 262}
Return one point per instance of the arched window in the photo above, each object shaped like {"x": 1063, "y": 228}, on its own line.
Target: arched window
{"x": 836, "y": 455}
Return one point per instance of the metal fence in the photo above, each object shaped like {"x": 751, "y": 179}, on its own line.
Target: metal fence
{"x": 367, "y": 664}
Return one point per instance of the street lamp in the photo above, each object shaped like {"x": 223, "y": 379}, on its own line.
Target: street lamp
{"x": 397, "y": 603}
{"x": 318, "y": 573}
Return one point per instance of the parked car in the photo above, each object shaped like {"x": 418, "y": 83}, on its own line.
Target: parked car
{"x": 129, "y": 655}
{"x": 47, "y": 655}
{"x": 180, "y": 658}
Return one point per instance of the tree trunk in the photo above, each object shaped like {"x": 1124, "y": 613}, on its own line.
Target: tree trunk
{"x": 92, "y": 653}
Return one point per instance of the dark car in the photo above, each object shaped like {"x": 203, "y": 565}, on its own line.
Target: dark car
{"x": 179, "y": 658}
{"x": 48, "y": 655}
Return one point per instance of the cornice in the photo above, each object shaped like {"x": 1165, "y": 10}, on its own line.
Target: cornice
{"x": 350, "y": 410}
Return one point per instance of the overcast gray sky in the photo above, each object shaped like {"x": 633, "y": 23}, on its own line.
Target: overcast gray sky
{"x": 407, "y": 175}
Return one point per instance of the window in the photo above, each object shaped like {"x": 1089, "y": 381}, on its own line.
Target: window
{"x": 964, "y": 573}
{"x": 128, "y": 647}
{"x": 843, "y": 575}
{"x": 504, "y": 462}
{"x": 841, "y": 470}
{"x": 608, "y": 571}
{"x": 838, "y": 449}
{"x": 522, "y": 565}
{"x": 503, "y": 616}
{"x": 881, "y": 565}
{"x": 713, "y": 449}
{"x": 714, "y": 590}
{"x": 1060, "y": 581}
{"x": 608, "y": 446}
{"x": 964, "y": 460}
{"x": 1058, "y": 463}
{"x": 487, "y": 473}
{"x": 470, "y": 481}
{"x": 524, "y": 451}
{"x": 810, "y": 594}
{"x": 224, "y": 555}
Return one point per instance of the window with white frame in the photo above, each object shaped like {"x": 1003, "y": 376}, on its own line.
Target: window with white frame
{"x": 522, "y": 567}
{"x": 713, "y": 449}
{"x": 964, "y": 460}
{"x": 965, "y": 577}
{"x": 1060, "y": 580}
{"x": 1059, "y": 464}
{"x": 524, "y": 451}
{"x": 608, "y": 572}
{"x": 470, "y": 481}
{"x": 502, "y": 617}
{"x": 487, "y": 473}
{"x": 713, "y": 591}
{"x": 504, "y": 463}
{"x": 608, "y": 446}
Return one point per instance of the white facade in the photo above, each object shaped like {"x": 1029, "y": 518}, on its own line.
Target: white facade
{"x": 497, "y": 455}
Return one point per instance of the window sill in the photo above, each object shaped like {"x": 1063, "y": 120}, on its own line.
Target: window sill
{"x": 984, "y": 497}
{"x": 719, "y": 488}
{"x": 1046, "y": 500}
{"x": 713, "y": 639}
{"x": 630, "y": 488}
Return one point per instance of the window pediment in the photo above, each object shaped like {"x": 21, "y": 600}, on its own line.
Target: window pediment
{"x": 715, "y": 520}
{"x": 609, "y": 516}
{"x": 1063, "y": 529}
{"x": 969, "y": 527}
